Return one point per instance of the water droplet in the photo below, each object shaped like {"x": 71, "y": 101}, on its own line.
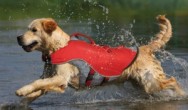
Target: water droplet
{"x": 97, "y": 26}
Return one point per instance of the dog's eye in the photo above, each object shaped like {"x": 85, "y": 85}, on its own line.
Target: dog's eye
{"x": 34, "y": 30}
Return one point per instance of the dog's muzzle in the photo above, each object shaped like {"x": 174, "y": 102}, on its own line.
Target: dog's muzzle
{"x": 20, "y": 41}
{"x": 27, "y": 48}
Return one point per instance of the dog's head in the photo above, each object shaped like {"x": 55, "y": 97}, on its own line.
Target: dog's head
{"x": 43, "y": 35}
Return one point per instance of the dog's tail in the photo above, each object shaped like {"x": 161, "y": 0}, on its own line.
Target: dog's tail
{"x": 163, "y": 36}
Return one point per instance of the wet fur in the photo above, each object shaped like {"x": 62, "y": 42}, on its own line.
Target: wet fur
{"x": 146, "y": 69}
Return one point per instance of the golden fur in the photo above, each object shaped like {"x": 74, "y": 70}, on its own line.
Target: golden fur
{"x": 45, "y": 35}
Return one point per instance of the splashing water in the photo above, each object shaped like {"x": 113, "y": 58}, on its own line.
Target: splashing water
{"x": 173, "y": 66}
{"x": 127, "y": 91}
{"x": 178, "y": 68}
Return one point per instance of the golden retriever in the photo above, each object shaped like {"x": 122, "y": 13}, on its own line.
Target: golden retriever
{"x": 47, "y": 37}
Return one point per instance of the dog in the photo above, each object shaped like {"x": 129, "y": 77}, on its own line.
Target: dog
{"x": 46, "y": 36}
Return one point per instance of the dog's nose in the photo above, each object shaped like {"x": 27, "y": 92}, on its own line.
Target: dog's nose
{"x": 19, "y": 39}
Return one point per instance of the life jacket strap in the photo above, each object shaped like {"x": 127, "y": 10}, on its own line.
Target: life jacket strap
{"x": 77, "y": 34}
{"x": 89, "y": 77}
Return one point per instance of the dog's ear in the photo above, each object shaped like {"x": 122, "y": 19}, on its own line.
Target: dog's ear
{"x": 49, "y": 26}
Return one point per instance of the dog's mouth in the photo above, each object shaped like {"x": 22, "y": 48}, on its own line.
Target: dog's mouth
{"x": 28, "y": 48}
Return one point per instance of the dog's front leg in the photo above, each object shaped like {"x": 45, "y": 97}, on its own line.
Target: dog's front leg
{"x": 57, "y": 83}
{"x": 33, "y": 96}
{"x": 40, "y": 84}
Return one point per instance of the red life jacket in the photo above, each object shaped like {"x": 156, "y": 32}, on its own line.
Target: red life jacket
{"x": 105, "y": 60}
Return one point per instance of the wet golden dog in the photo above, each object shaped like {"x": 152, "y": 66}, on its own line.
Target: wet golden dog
{"x": 46, "y": 36}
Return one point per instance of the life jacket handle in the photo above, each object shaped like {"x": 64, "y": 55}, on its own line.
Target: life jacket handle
{"x": 76, "y": 34}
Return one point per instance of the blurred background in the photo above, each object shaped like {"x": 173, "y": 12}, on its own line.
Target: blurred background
{"x": 99, "y": 18}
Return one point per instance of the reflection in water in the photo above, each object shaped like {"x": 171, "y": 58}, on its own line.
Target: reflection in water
{"x": 172, "y": 105}
{"x": 14, "y": 107}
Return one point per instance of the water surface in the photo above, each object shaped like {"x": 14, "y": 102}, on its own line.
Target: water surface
{"x": 18, "y": 68}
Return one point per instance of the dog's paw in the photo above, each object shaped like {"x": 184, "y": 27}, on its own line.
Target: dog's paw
{"x": 24, "y": 90}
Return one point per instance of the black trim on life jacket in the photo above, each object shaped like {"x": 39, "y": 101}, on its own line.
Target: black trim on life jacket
{"x": 137, "y": 52}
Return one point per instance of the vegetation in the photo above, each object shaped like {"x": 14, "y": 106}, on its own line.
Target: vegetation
{"x": 118, "y": 12}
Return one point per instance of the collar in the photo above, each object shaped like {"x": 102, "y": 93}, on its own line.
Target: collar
{"x": 46, "y": 58}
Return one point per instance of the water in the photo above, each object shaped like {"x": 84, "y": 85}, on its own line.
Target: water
{"x": 18, "y": 68}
